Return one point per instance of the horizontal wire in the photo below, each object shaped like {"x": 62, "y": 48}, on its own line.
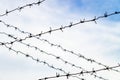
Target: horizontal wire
{"x": 50, "y": 54}
{"x": 22, "y": 7}
{"x": 37, "y": 60}
{"x": 80, "y": 73}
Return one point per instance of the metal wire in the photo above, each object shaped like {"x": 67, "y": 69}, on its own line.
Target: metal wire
{"x": 22, "y": 7}
{"x": 37, "y": 60}
{"x": 80, "y": 73}
{"x": 62, "y": 28}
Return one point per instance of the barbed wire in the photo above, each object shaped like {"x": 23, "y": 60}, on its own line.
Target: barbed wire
{"x": 52, "y": 44}
{"x": 22, "y": 7}
{"x": 37, "y": 60}
{"x": 81, "y": 73}
{"x": 71, "y": 24}
{"x": 50, "y": 54}
{"x": 92, "y": 72}
{"x": 78, "y": 54}
{"x": 27, "y": 55}
{"x": 14, "y": 27}
{"x": 68, "y": 26}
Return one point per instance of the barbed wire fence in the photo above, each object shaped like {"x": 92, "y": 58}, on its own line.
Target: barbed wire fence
{"x": 81, "y": 70}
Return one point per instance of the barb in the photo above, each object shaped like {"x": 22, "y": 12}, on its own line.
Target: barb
{"x": 50, "y": 54}
{"x": 22, "y": 7}
{"x": 37, "y": 60}
{"x": 52, "y": 44}
{"x": 80, "y": 73}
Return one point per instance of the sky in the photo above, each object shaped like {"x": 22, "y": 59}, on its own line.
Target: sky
{"x": 100, "y": 41}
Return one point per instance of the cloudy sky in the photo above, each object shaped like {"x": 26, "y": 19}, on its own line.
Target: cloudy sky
{"x": 100, "y": 41}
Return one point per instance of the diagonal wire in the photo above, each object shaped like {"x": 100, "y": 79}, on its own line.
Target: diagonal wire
{"x": 68, "y": 26}
{"x": 73, "y": 24}
{"x": 22, "y": 7}
{"x": 37, "y": 60}
{"x": 80, "y": 73}
{"x": 42, "y": 51}
{"x": 50, "y": 54}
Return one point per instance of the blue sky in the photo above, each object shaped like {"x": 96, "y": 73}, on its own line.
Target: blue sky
{"x": 99, "y": 41}
{"x": 93, "y": 6}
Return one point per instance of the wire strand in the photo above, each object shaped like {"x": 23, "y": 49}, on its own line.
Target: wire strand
{"x": 68, "y": 26}
{"x": 80, "y": 73}
{"x": 22, "y": 7}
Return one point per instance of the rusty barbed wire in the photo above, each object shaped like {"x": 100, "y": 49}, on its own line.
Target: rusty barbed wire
{"x": 22, "y": 7}
{"x": 52, "y": 44}
{"x": 50, "y": 54}
{"x": 37, "y": 60}
{"x": 81, "y": 73}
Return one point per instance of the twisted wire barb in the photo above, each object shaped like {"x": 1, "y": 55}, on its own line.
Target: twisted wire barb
{"x": 50, "y": 54}
{"x": 22, "y": 7}
{"x": 80, "y": 73}
{"x": 37, "y": 60}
